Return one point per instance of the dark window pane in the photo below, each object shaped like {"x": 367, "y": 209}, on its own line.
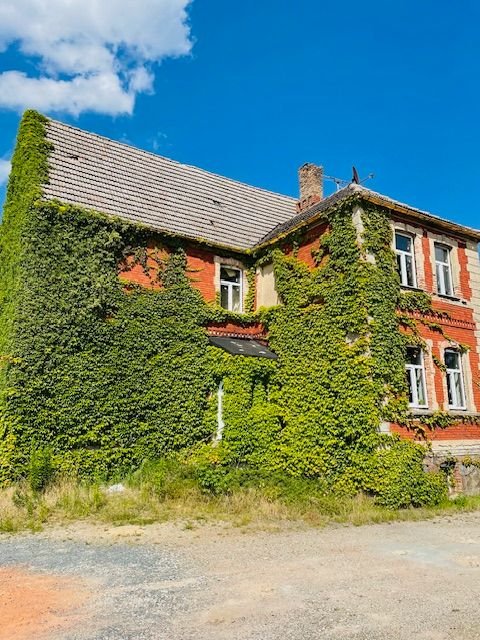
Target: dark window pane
{"x": 450, "y": 389}
{"x": 409, "y": 383}
{"x": 399, "y": 268}
{"x": 414, "y": 355}
{"x": 403, "y": 243}
{"x": 230, "y": 275}
{"x": 452, "y": 360}
{"x": 409, "y": 264}
{"x": 224, "y": 296}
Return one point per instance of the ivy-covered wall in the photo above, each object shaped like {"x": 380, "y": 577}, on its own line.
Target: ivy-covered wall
{"x": 108, "y": 376}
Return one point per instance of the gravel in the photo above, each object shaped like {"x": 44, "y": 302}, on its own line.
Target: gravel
{"x": 401, "y": 580}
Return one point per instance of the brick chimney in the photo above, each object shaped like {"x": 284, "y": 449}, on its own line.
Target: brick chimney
{"x": 310, "y": 177}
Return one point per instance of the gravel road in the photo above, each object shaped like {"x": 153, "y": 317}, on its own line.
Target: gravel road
{"x": 164, "y": 582}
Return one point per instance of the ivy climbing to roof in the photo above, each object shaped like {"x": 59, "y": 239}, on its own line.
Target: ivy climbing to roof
{"x": 107, "y": 377}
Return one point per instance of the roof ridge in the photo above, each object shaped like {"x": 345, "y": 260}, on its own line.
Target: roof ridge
{"x": 304, "y": 217}
{"x": 176, "y": 162}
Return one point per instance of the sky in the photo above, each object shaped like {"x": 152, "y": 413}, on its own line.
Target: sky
{"x": 253, "y": 89}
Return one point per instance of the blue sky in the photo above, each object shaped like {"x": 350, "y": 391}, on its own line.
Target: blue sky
{"x": 252, "y": 89}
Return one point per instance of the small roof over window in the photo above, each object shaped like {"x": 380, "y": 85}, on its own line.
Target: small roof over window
{"x": 243, "y": 347}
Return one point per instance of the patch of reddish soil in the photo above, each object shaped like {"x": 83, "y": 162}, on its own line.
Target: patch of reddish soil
{"x": 35, "y": 605}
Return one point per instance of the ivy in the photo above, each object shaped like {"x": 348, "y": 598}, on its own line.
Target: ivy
{"x": 103, "y": 376}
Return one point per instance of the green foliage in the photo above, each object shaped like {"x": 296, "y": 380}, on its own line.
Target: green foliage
{"x": 398, "y": 479}
{"x": 40, "y": 469}
{"x": 106, "y": 377}
{"x": 167, "y": 478}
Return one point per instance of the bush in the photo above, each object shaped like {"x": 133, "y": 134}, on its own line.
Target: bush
{"x": 166, "y": 477}
{"x": 40, "y": 469}
{"x": 398, "y": 479}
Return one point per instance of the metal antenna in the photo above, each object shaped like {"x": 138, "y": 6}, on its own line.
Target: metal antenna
{"x": 340, "y": 182}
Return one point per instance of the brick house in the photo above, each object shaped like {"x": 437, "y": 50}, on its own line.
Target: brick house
{"x": 226, "y": 226}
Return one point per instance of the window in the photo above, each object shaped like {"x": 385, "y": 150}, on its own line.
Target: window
{"x": 405, "y": 260}
{"x": 417, "y": 394}
{"x": 455, "y": 386}
{"x": 231, "y": 288}
{"x": 443, "y": 270}
{"x": 220, "y": 423}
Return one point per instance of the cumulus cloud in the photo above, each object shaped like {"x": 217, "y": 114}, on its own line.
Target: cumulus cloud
{"x": 4, "y": 171}
{"x": 91, "y": 55}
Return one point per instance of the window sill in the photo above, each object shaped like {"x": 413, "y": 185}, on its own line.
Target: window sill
{"x": 447, "y": 297}
{"x": 422, "y": 413}
{"x": 406, "y": 287}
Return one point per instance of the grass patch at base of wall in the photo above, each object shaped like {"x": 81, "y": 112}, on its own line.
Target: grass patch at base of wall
{"x": 167, "y": 490}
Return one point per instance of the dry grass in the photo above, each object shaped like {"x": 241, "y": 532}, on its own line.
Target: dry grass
{"x": 67, "y": 500}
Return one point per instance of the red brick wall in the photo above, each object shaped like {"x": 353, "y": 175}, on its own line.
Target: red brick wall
{"x": 466, "y": 290}
{"x": 427, "y": 262}
{"x": 309, "y": 244}
{"x": 460, "y": 328}
{"x": 131, "y": 271}
{"x": 200, "y": 269}
{"x": 454, "y": 432}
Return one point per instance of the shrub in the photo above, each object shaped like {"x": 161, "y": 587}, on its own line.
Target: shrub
{"x": 398, "y": 479}
{"x": 40, "y": 469}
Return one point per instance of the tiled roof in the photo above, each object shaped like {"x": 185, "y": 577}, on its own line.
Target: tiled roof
{"x": 165, "y": 195}
{"x": 168, "y": 196}
{"x": 372, "y": 196}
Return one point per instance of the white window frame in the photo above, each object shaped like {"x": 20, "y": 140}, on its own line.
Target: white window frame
{"x": 403, "y": 260}
{"x": 458, "y": 403}
{"x": 220, "y": 422}
{"x": 231, "y": 285}
{"x": 411, "y": 373}
{"x": 440, "y": 267}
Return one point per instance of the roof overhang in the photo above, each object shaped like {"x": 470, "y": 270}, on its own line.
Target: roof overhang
{"x": 243, "y": 347}
{"x": 358, "y": 193}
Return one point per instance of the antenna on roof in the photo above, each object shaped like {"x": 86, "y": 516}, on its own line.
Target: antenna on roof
{"x": 356, "y": 177}
{"x": 341, "y": 183}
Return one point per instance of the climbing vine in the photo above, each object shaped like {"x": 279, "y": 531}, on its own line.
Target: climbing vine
{"x": 106, "y": 375}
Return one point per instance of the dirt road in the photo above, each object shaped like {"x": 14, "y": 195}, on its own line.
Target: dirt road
{"x": 164, "y": 582}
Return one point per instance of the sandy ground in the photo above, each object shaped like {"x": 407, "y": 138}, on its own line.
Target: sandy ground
{"x": 35, "y": 606}
{"x": 402, "y": 580}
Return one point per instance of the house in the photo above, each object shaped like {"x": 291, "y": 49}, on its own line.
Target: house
{"x": 406, "y": 334}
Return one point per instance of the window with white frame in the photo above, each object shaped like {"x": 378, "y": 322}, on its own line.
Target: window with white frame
{"x": 443, "y": 270}
{"x": 231, "y": 288}
{"x": 455, "y": 383}
{"x": 415, "y": 368}
{"x": 405, "y": 259}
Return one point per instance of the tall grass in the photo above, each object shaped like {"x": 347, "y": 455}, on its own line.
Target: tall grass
{"x": 170, "y": 490}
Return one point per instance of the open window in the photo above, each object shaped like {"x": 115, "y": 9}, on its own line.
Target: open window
{"x": 415, "y": 369}
{"x": 231, "y": 288}
{"x": 405, "y": 259}
{"x": 455, "y": 381}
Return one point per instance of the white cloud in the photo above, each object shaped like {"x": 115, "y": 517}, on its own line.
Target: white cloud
{"x": 5, "y": 167}
{"x": 92, "y": 55}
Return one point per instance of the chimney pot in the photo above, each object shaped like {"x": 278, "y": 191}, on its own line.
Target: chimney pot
{"x": 310, "y": 177}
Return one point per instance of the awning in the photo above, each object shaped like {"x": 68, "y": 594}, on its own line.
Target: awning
{"x": 243, "y": 347}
